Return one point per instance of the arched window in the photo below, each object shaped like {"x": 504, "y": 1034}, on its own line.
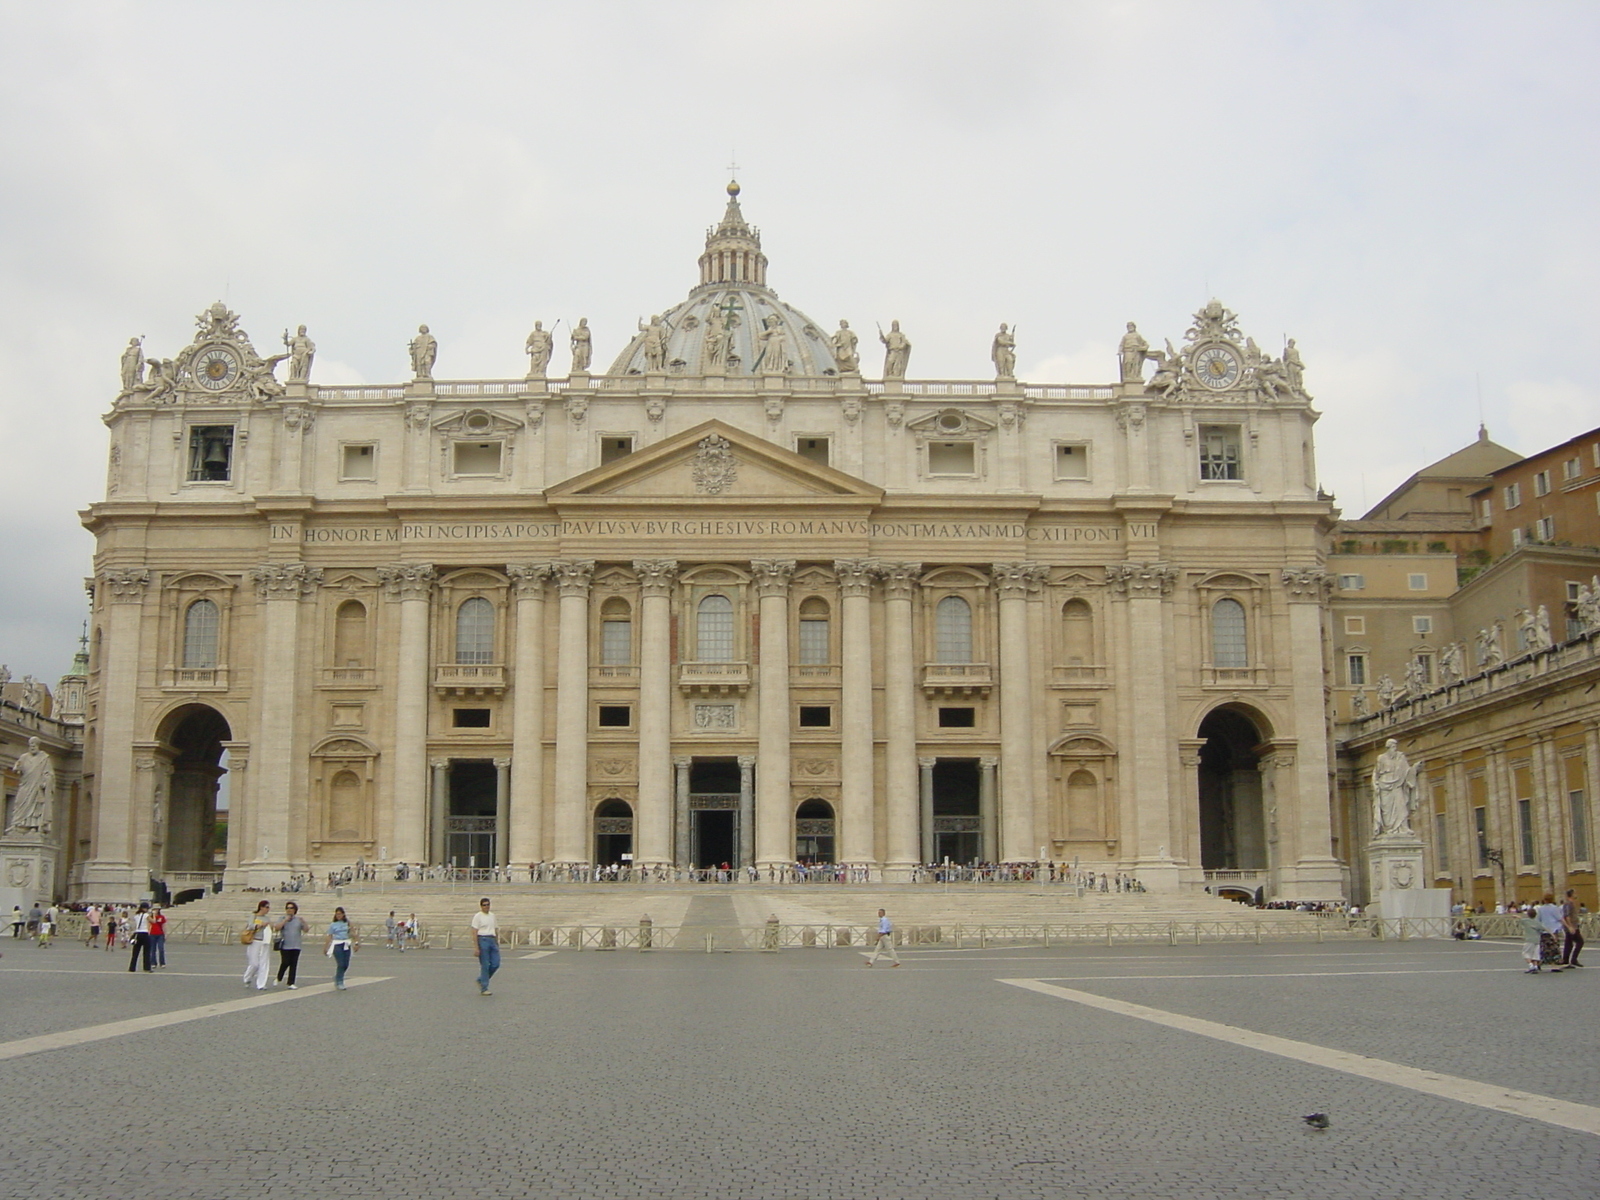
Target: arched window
{"x": 714, "y": 629}
{"x": 814, "y": 646}
{"x": 1077, "y": 633}
{"x": 200, "y": 624}
{"x": 952, "y": 631}
{"x": 475, "y": 631}
{"x": 350, "y": 634}
{"x": 616, "y": 633}
{"x": 1228, "y": 645}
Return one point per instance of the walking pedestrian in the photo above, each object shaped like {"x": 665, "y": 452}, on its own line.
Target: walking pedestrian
{"x": 486, "y": 945}
{"x": 158, "y": 936}
{"x": 258, "y": 946}
{"x": 1572, "y": 941}
{"x": 290, "y": 933}
{"x": 1532, "y": 942}
{"x": 1548, "y": 914}
{"x": 35, "y": 915}
{"x": 140, "y": 942}
{"x": 339, "y": 945}
{"x": 47, "y": 927}
{"x": 885, "y": 941}
{"x": 18, "y": 920}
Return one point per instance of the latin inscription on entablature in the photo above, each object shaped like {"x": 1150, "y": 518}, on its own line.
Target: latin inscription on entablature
{"x": 717, "y": 529}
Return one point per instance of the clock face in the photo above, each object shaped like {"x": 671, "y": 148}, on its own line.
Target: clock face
{"x": 215, "y": 368}
{"x": 1217, "y": 367}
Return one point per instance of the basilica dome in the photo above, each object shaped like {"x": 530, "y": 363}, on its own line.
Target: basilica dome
{"x": 732, "y": 323}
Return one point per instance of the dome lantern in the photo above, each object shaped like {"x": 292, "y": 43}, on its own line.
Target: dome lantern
{"x": 733, "y": 249}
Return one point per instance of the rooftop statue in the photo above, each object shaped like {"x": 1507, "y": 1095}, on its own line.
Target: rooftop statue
{"x": 774, "y": 356}
{"x": 1132, "y": 352}
{"x": 581, "y": 348}
{"x": 655, "y": 343}
{"x": 1168, "y": 375}
{"x": 714, "y": 346}
{"x": 539, "y": 346}
{"x": 844, "y": 348}
{"x": 301, "y": 351}
{"x": 133, "y": 364}
{"x": 1293, "y": 367}
{"x": 1003, "y": 352}
{"x": 1450, "y": 664}
{"x": 424, "y": 350}
{"x": 897, "y": 351}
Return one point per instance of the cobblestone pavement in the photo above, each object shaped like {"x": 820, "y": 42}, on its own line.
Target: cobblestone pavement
{"x": 794, "y": 1075}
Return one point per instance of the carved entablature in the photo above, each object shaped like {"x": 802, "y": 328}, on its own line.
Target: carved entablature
{"x": 1307, "y": 583}
{"x": 899, "y": 578}
{"x": 1019, "y": 579}
{"x": 1218, "y": 363}
{"x": 855, "y": 577}
{"x": 285, "y": 581}
{"x": 528, "y": 578}
{"x": 407, "y": 581}
{"x": 573, "y": 577}
{"x": 772, "y": 576}
{"x": 122, "y": 585}
{"x": 1142, "y": 580}
{"x": 656, "y": 575}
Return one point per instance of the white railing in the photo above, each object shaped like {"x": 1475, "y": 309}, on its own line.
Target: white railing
{"x": 613, "y": 674}
{"x": 476, "y": 677}
{"x": 480, "y": 387}
{"x": 360, "y": 393}
{"x": 714, "y": 675}
{"x": 471, "y": 388}
{"x": 957, "y": 676}
{"x": 197, "y": 677}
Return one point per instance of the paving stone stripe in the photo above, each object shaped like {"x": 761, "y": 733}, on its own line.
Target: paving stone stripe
{"x": 1583, "y": 1118}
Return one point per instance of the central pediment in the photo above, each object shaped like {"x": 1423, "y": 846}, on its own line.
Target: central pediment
{"x": 714, "y": 461}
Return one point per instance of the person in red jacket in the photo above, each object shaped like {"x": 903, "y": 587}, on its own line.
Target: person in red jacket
{"x": 158, "y": 936}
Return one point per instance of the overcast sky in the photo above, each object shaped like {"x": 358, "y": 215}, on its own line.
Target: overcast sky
{"x": 1409, "y": 190}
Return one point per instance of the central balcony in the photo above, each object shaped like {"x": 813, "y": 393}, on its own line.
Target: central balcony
{"x": 714, "y": 678}
{"x": 469, "y": 679}
{"x": 957, "y": 679}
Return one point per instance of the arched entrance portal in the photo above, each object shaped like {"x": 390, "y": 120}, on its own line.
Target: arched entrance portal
{"x": 196, "y": 834}
{"x": 613, "y": 833}
{"x": 813, "y": 832}
{"x": 1233, "y": 833}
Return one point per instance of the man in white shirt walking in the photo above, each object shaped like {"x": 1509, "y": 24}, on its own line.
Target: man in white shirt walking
{"x": 486, "y": 945}
{"x": 885, "y": 941}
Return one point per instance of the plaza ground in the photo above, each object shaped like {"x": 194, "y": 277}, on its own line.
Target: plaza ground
{"x": 800, "y": 1074}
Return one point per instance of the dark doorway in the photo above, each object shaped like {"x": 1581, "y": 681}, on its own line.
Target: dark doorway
{"x": 470, "y": 826}
{"x": 1232, "y": 825}
{"x": 613, "y": 832}
{"x": 957, "y": 819}
{"x": 813, "y": 832}
{"x": 194, "y": 838}
{"x": 716, "y": 837}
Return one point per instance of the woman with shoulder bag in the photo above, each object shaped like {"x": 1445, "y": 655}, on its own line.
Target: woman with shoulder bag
{"x": 257, "y": 941}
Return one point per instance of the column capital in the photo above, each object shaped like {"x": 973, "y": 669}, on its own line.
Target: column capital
{"x": 407, "y": 581}
{"x": 854, "y": 575}
{"x": 656, "y": 575}
{"x": 899, "y": 578}
{"x": 528, "y": 578}
{"x": 988, "y": 763}
{"x": 927, "y": 764}
{"x": 1015, "y": 580}
{"x": 501, "y": 764}
{"x": 682, "y": 762}
{"x": 573, "y": 575}
{"x": 1142, "y": 580}
{"x": 772, "y": 575}
{"x": 747, "y": 762}
{"x": 123, "y": 585}
{"x": 1307, "y": 583}
{"x": 285, "y": 581}
{"x": 438, "y": 764}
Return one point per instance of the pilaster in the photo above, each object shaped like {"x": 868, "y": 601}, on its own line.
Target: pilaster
{"x": 654, "y": 818}
{"x": 280, "y": 772}
{"x": 774, "y": 817}
{"x": 572, "y": 578}
{"x": 855, "y": 712}
{"x": 525, "y": 839}
{"x": 410, "y": 586}
{"x": 899, "y": 689}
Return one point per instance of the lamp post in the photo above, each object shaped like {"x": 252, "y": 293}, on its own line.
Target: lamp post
{"x": 1499, "y": 860}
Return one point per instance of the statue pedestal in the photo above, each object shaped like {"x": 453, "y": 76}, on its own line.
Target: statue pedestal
{"x": 27, "y": 871}
{"x": 1395, "y": 881}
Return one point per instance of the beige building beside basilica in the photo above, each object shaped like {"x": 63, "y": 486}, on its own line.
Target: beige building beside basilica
{"x": 728, "y": 601}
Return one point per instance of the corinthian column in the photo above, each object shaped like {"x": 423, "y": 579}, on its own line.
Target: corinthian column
{"x": 654, "y": 818}
{"x": 279, "y": 588}
{"x": 1147, "y": 774}
{"x": 900, "y": 708}
{"x": 855, "y": 713}
{"x": 572, "y": 711}
{"x": 1012, "y": 581}
{"x": 1316, "y": 872}
{"x": 774, "y": 820}
{"x": 525, "y": 838}
{"x": 411, "y": 585}
{"x": 119, "y": 596}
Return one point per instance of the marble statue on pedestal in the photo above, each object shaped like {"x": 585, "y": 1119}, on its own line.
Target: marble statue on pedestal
{"x": 301, "y": 351}
{"x": 1003, "y": 353}
{"x": 1589, "y": 605}
{"x": 1387, "y": 692}
{"x": 36, "y": 790}
{"x": 1488, "y": 645}
{"x": 1132, "y": 351}
{"x": 1416, "y": 678}
{"x": 133, "y": 364}
{"x": 655, "y": 343}
{"x": 844, "y": 348}
{"x": 424, "y": 352}
{"x": 1358, "y": 703}
{"x": 539, "y": 346}
{"x": 1450, "y": 664}
{"x": 1541, "y": 629}
{"x": 1394, "y": 791}
{"x": 1168, "y": 375}
{"x": 581, "y": 348}
{"x": 1293, "y": 367}
{"x": 896, "y": 351}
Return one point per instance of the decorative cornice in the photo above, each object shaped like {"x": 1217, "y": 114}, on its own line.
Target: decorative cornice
{"x": 772, "y": 575}
{"x": 656, "y": 575}
{"x": 899, "y": 578}
{"x": 1307, "y": 583}
{"x": 407, "y": 581}
{"x": 123, "y": 585}
{"x": 573, "y": 576}
{"x": 285, "y": 581}
{"x": 528, "y": 578}
{"x": 854, "y": 575}
{"x": 1142, "y": 580}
